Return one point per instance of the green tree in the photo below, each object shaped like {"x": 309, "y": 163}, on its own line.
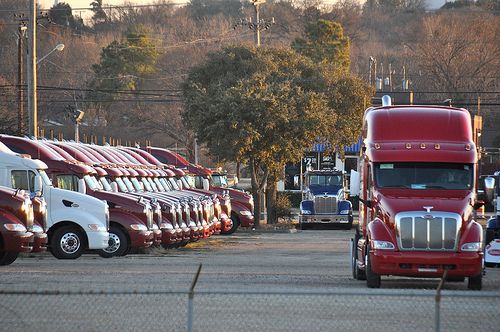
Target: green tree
{"x": 123, "y": 68}
{"x": 263, "y": 107}
{"x": 325, "y": 42}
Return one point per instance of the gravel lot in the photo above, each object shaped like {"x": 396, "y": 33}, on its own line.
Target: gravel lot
{"x": 248, "y": 281}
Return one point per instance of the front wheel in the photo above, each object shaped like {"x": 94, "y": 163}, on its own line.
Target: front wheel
{"x": 8, "y": 257}
{"x": 67, "y": 243}
{"x": 475, "y": 283}
{"x": 373, "y": 280}
{"x": 236, "y": 223}
{"x": 117, "y": 244}
{"x": 357, "y": 273}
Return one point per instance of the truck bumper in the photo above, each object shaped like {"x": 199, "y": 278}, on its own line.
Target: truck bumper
{"x": 18, "y": 241}
{"x": 246, "y": 221}
{"x": 140, "y": 239}
{"x": 168, "y": 236}
{"x": 98, "y": 240}
{"x": 324, "y": 218}
{"x": 157, "y": 237}
{"x": 427, "y": 264}
{"x": 40, "y": 241}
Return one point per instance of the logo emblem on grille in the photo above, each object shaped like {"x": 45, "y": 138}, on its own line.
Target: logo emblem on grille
{"x": 428, "y": 208}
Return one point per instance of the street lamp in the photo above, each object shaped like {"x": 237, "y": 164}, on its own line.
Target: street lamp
{"x": 59, "y": 47}
{"x": 78, "y": 115}
{"x": 32, "y": 100}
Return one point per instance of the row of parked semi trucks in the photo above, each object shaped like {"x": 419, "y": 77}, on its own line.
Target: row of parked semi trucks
{"x": 69, "y": 198}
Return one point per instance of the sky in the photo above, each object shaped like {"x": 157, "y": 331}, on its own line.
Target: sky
{"x": 86, "y": 3}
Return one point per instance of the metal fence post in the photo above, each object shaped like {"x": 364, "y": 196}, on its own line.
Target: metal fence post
{"x": 437, "y": 315}
{"x": 190, "y": 301}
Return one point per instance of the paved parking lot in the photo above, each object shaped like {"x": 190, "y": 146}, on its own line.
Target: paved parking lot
{"x": 249, "y": 281}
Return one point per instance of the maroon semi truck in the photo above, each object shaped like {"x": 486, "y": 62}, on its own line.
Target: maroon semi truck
{"x": 417, "y": 196}
{"x": 241, "y": 202}
{"x": 16, "y": 224}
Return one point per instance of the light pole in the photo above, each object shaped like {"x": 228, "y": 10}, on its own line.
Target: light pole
{"x": 20, "y": 94}
{"x": 32, "y": 91}
{"x": 78, "y": 118}
{"x": 59, "y": 47}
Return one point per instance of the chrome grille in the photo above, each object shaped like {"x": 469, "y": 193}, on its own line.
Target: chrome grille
{"x": 428, "y": 231}
{"x": 325, "y": 204}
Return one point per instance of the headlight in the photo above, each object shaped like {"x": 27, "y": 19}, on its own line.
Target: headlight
{"x": 471, "y": 246}
{"x": 166, "y": 225}
{"x": 139, "y": 227}
{"x": 15, "y": 227}
{"x": 306, "y": 211}
{"x": 97, "y": 227}
{"x": 246, "y": 213}
{"x": 344, "y": 211}
{"x": 37, "y": 229}
{"x": 385, "y": 245}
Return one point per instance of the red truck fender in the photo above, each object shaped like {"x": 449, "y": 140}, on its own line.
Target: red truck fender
{"x": 377, "y": 230}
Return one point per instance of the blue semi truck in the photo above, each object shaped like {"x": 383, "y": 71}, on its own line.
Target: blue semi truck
{"x": 492, "y": 242}
{"x": 324, "y": 199}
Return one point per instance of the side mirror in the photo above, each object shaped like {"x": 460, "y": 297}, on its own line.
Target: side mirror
{"x": 354, "y": 183}
{"x": 489, "y": 188}
{"x": 81, "y": 186}
{"x": 235, "y": 180}
{"x": 296, "y": 183}
{"x": 477, "y": 205}
{"x": 114, "y": 187}
{"x": 38, "y": 186}
{"x": 206, "y": 184}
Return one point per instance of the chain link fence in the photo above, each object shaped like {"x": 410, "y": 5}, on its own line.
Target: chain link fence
{"x": 388, "y": 310}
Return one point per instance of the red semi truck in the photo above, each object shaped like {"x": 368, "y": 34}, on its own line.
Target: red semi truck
{"x": 417, "y": 196}
{"x": 16, "y": 224}
{"x": 241, "y": 202}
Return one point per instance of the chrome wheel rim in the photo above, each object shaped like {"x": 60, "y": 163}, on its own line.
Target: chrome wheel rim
{"x": 113, "y": 243}
{"x": 70, "y": 243}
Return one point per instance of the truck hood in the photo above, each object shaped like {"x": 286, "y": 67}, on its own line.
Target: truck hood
{"x": 318, "y": 190}
{"x": 455, "y": 201}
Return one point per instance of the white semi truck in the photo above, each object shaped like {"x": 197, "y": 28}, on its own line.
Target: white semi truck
{"x": 75, "y": 221}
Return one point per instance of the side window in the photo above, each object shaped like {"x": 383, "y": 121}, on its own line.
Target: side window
{"x": 20, "y": 180}
{"x": 68, "y": 182}
{"x": 31, "y": 179}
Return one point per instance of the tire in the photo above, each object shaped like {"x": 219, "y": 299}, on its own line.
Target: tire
{"x": 67, "y": 242}
{"x": 118, "y": 243}
{"x": 8, "y": 257}
{"x": 455, "y": 279}
{"x": 373, "y": 280}
{"x": 357, "y": 273}
{"x": 475, "y": 283}
{"x": 236, "y": 224}
{"x": 349, "y": 224}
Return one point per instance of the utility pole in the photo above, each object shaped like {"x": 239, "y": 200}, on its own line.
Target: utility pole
{"x": 257, "y": 4}
{"x": 32, "y": 101}
{"x": 258, "y": 23}
{"x": 20, "y": 78}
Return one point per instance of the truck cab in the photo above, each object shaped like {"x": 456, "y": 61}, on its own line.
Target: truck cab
{"x": 324, "y": 199}
{"x": 417, "y": 196}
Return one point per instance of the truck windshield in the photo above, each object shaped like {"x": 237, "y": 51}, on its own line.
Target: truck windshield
{"x": 137, "y": 185}
{"x": 121, "y": 185}
{"x": 219, "y": 180}
{"x": 325, "y": 180}
{"x": 105, "y": 184}
{"x": 91, "y": 182}
{"x": 424, "y": 175}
